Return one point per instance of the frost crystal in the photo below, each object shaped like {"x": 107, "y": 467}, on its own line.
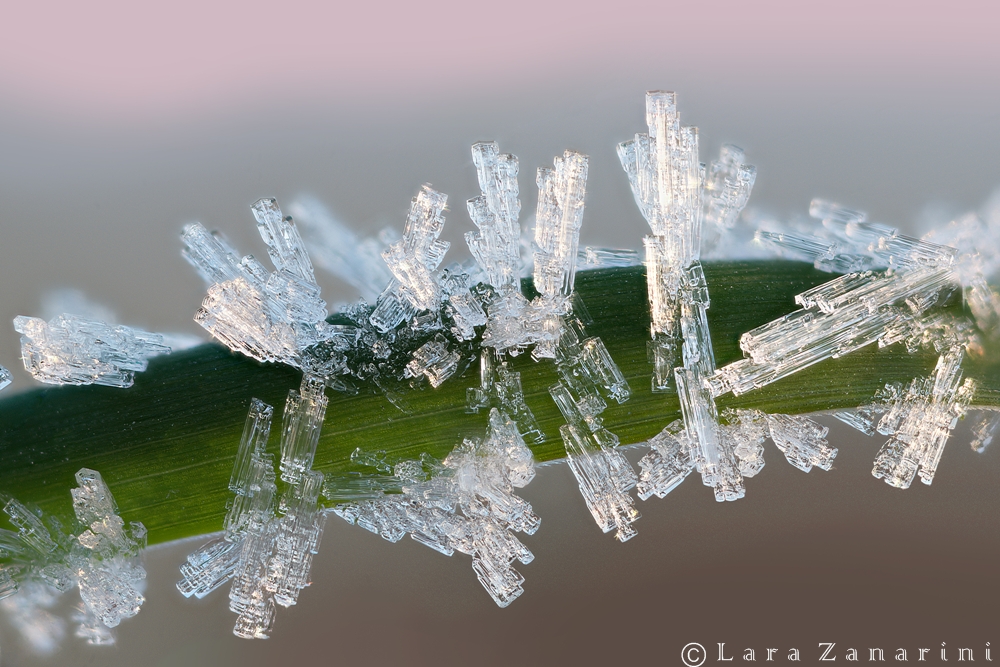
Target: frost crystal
{"x": 337, "y": 249}
{"x": 675, "y": 194}
{"x": 103, "y": 561}
{"x": 264, "y": 315}
{"x": 919, "y": 418}
{"x": 497, "y": 246}
{"x": 557, "y": 223}
{"x": 841, "y": 316}
{"x": 413, "y": 258}
{"x": 465, "y": 503}
{"x": 270, "y": 537}
{"x": 76, "y": 351}
{"x": 984, "y": 427}
{"x": 5, "y": 377}
{"x": 604, "y": 478}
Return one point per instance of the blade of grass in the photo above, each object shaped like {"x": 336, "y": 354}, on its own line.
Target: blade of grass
{"x": 166, "y": 445}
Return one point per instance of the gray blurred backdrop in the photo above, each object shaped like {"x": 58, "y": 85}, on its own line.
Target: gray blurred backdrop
{"x": 892, "y": 109}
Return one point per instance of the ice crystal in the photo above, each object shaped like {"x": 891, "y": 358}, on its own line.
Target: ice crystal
{"x": 919, "y": 418}
{"x": 337, "y": 249}
{"x": 604, "y": 478}
{"x": 102, "y": 561}
{"x": 984, "y": 427}
{"x": 269, "y": 316}
{"x": 497, "y": 245}
{"x": 270, "y": 537}
{"x": 676, "y": 194}
{"x": 839, "y": 317}
{"x": 464, "y": 503}
{"x": 5, "y": 378}
{"x": 77, "y": 351}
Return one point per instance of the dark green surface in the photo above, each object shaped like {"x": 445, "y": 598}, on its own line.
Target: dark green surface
{"x": 166, "y": 445}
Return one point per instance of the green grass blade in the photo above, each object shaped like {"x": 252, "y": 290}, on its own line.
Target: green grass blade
{"x": 166, "y": 445}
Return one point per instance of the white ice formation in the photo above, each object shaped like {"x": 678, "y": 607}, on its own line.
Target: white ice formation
{"x": 672, "y": 452}
{"x": 269, "y": 316}
{"x": 5, "y": 377}
{"x": 677, "y": 195}
{"x": 547, "y": 324}
{"x": 270, "y": 536}
{"x": 984, "y": 427}
{"x": 77, "y": 351}
{"x": 464, "y": 503}
{"x": 919, "y": 417}
{"x": 888, "y": 296}
{"x": 102, "y": 561}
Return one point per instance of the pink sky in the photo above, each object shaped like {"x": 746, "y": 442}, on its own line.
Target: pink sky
{"x": 121, "y": 59}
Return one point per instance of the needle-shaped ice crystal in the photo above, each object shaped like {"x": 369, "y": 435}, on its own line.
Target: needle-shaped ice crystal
{"x": 338, "y": 250}
{"x": 301, "y": 425}
{"x": 73, "y": 350}
{"x": 497, "y": 245}
{"x": 557, "y": 223}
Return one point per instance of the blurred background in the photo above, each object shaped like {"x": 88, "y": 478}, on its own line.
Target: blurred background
{"x": 121, "y": 121}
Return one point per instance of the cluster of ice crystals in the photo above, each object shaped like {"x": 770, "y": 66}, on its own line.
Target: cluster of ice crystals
{"x": 269, "y": 316}
{"x": 434, "y": 361}
{"x": 413, "y": 258}
{"x": 844, "y": 241}
{"x": 919, "y": 418}
{"x": 848, "y": 313}
{"x": 270, "y": 538}
{"x": 5, "y": 377}
{"x": 464, "y": 503}
{"x": 985, "y": 425}
{"x": 675, "y": 194}
{"x": 674, "y": 454}
{"x": 102, "y": 561}
{"x": 513, "y": 323}
{"x": 589, "y": 378}
{"x": 976, "y": 262}
{"x": 77, "y": 351}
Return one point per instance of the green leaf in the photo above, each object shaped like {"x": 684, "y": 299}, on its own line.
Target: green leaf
{"x": 166, "y": 445}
